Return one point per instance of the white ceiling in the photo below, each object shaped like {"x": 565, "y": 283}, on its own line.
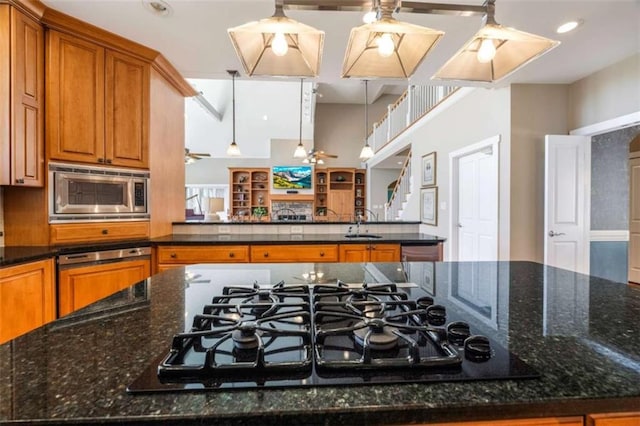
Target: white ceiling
{"x": 194, "y": 37}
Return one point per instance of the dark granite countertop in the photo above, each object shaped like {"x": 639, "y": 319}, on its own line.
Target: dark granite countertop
{"x": 188, "y": 239}
{"x": 581, "y": 333}
{"x": 12, "y": 255}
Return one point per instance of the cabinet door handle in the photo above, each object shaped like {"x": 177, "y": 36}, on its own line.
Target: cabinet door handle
{"x": 105, "y": 231}
{"x": 173, "y": 255}
{"x": 100, "y": 160}
{"x": 19, "y": 180}
{"x": 232, "y": 255}
{"x": 373, "y": 247}
{"x": 266, "y": 254}
{"x": 321, "y": 254}
{"x": 108, "y": 161}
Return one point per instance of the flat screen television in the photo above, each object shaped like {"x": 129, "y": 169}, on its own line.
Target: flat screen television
{"x": 292, "y": 177}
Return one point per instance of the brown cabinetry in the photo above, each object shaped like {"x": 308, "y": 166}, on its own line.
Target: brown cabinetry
{"x": 370, "y": 252}
{"x": 173, "y": 256}
{"x": 614, "y": 419}
{"x": 27, "y": 298}
{"x": 79, "y": 287}
{"x": 545, "y": 421}
{"x": 97, "y": 103}
{"x": 340, "y": 194}
{"x": 70, "y": 233}
{"x": 320, "y": 194}
{"x": 294, "y": 253}
{"x": 249, "y": 194}
{"x": 21, "y": 99}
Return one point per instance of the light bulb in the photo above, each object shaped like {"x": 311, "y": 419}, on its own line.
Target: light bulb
{"x": 233, "y": 150}
{"x": 369, "y": 17}
{"x": 487, "y": 51}
{"x": 321, "y": 161}
{"x": 279, "y": 44}
{"x": 300, "y": 151}
{"x": 385, "y": 45}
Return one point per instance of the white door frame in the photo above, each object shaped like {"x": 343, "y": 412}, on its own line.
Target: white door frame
{"x": 454, "y": 157}
{"x": 595, "y": 129}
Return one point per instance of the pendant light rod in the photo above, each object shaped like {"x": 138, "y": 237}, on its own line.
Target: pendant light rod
{"x": 233, "y": 149}
{"x": 301, "y": 83}
{"x": 366, "y": 111}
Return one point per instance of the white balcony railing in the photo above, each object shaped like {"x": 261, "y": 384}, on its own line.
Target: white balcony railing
{"x": 412, "y": 105}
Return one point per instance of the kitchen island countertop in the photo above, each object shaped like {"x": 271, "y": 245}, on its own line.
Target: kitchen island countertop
{"x": 581, "y": 333}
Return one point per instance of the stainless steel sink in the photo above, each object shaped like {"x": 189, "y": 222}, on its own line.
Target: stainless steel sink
{"x": 363, "y": 236}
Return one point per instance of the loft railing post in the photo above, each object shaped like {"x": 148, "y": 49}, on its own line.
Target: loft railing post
{"x": 389, "y": 129}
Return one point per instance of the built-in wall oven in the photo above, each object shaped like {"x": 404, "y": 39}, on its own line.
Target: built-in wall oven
{"x": 79, "y": 193}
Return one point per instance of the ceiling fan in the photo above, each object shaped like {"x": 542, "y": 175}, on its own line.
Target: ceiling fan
{"x": 190, "y": 157}
{"x": 317, "y": 157}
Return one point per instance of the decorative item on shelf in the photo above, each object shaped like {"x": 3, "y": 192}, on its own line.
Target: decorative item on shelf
{"x": 260, "y": 199}
{"x": 321, "y": 180}
{"x": 242, "y": 179}
{"x": 358, "y": 203}
{"x": 359, "y": 192}
{"x": 340, "y": 178}
{"x": 259, "y": 212}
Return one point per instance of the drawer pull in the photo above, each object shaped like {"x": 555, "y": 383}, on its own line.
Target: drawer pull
{"x": 100, "y": 160}
{"x": 105, "y": 231}
{"x": 173, "y": 255}
{"x": 321, "y": 254}
{"x": 232, "y": 255}
{"x": 19, "y": 180}
{"x": 266, "y": 254}
{"x": 108, "y": 161}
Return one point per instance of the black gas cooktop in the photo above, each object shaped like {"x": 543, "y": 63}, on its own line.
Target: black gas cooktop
{"x": 325, "y": 335}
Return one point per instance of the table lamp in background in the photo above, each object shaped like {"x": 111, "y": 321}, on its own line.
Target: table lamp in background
{"x": 215, "y": 205}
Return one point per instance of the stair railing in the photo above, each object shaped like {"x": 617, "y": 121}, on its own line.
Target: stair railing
{"x": 400, "y": 191}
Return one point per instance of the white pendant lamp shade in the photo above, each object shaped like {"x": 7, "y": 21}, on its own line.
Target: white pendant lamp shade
{"x": 387, "y": 48}
{"x": 300, "y": 152}
{"x": 278, "y": 46}
{"x": 366, "y": 153}
{"x": 494, "y": 53}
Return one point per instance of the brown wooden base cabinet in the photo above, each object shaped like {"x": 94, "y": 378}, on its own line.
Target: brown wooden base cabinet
{"x": 79, "y": 287}
{"x": 168, "y": 257}
{"x": 27, "y": 298}
{"x": 373, "y": 252}
{"x": 294, "y": 253}
{"x": 614, "y": 419}
{"x": 546, "y": 421}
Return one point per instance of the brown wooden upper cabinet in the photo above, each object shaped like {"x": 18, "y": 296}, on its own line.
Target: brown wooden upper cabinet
{"x": 21, "y": 99}
{"x": 97, "y": 103}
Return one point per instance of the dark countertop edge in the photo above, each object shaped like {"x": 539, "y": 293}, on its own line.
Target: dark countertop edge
{"x": 293, "y": 222}
{"x": 15, "y": 255}
{"x": 373, "y": 415}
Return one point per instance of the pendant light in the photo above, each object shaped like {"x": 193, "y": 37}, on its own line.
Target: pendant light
{"x": 278, "y": 46}
{"x": 387, "y": 48}
{"x": 233, "y": 150}
{"x": 367, "y": 151}
{"x": 300, "y": 151}
{"x": 494, "y": 52}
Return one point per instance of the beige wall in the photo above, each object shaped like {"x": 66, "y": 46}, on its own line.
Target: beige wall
{"x": 536, "y": 110}
{"x": 339, "y": 129}
{"x": 480, "y": 115}
{"x": 379, "y": 180}
{"x": 609, "y": 93}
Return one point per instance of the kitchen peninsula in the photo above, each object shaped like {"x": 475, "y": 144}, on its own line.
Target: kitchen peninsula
{"x": 579, "y": 333}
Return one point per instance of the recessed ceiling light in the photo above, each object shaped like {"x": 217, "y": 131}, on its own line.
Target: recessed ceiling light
{"x": 265, "y": 117}
{"x": 568, "y": 26}
{"x": 158, "y": 7}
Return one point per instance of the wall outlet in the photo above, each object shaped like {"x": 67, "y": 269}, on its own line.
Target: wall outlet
{"x": 224, "y": 229}
{"x": 296, "y": 229}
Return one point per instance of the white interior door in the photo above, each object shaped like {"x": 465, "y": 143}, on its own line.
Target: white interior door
{"x": 634, "y": 219}
{"x": 476, "y": 224}
{"x": 567, "y": 202}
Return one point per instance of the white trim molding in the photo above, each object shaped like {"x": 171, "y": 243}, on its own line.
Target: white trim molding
{"x": 617, "y": 123}
{"x": 609, "y": 235}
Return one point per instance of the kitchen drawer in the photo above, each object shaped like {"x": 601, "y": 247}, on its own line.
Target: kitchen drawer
{"x": 93, "y": 232}
{"x": 202, "y": 254}
{"x": 294, "y": 253}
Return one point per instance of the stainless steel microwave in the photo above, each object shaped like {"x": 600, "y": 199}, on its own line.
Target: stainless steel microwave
{"x": 79, "y": 193}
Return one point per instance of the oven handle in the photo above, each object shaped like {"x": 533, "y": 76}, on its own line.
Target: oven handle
{"x": 105, "y": 255}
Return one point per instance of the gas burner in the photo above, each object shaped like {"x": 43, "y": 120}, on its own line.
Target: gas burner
{"x": 245, "y": 335}
{"x": 436, "y": 315}
{"x": 477, "y": 348}
{"x": 457, "y": 332}
{"x": 424, "y": 302}
{"x": 376, "y": 334}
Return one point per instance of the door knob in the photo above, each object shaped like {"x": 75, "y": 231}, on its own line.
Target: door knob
{"x": 459, "y": 225}
{"x": 556, "y": 234}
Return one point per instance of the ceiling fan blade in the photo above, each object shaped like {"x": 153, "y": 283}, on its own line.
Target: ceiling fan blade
{"x": 199, "y": 154}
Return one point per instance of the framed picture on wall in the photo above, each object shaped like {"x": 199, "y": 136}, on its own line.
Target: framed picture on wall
{"x": 429, "y": 169}
{"x": 429, "y": 206}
